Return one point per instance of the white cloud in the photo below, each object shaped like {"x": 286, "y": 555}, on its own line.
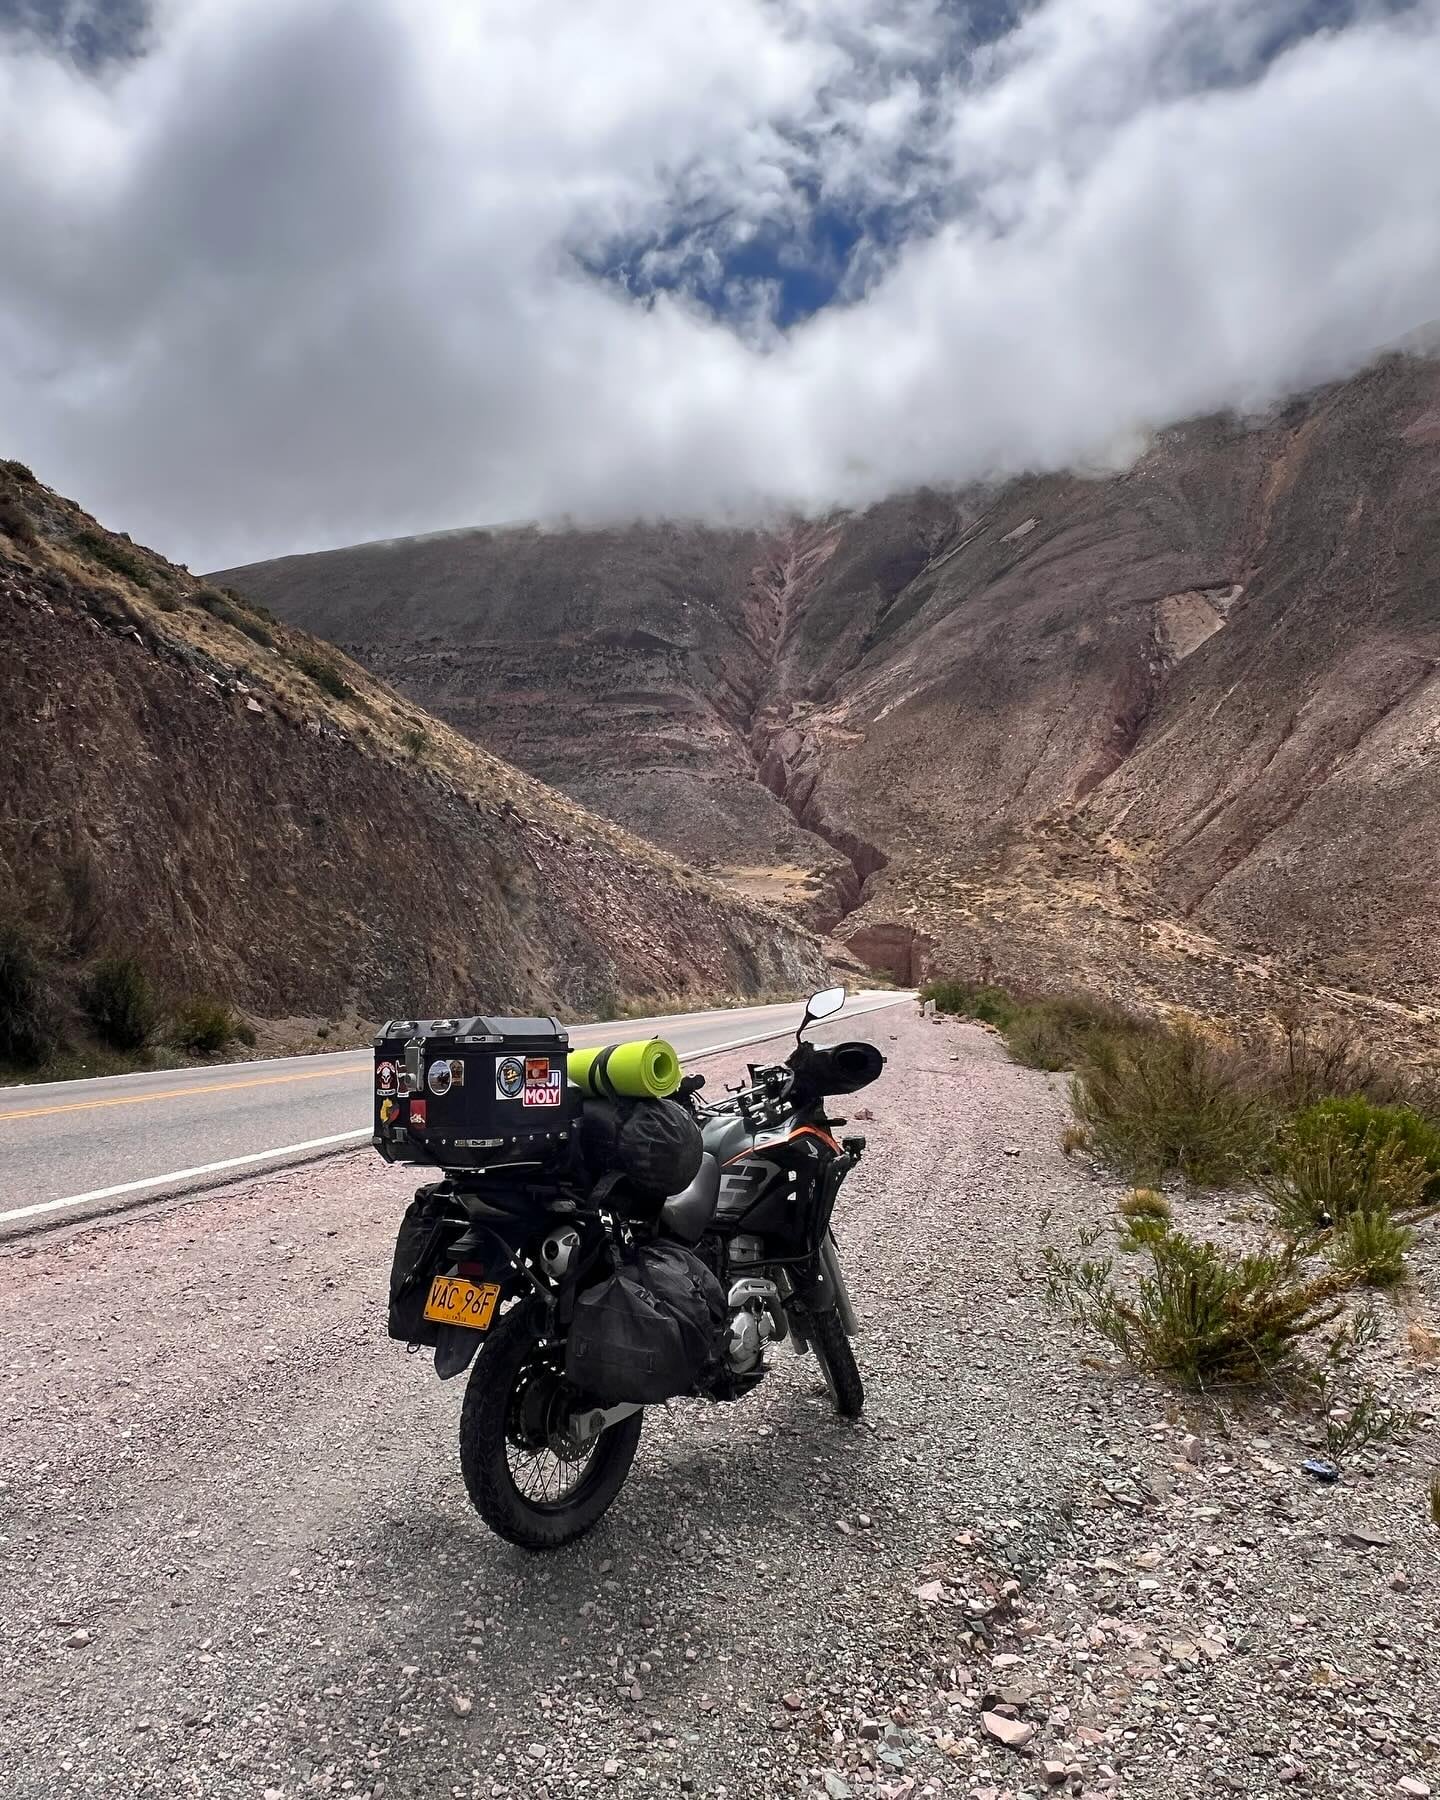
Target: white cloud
{"x": 316, "y": 270}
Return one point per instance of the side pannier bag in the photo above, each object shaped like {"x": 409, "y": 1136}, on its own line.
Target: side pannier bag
{"x": 652, "y": 1330}
{"x": 424, "y": 1236}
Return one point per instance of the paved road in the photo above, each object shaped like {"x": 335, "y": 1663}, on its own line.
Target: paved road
{"x": 75, "y": 1147}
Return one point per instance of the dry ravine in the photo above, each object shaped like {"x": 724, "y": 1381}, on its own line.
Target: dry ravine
{"x": 236, "y": 1557}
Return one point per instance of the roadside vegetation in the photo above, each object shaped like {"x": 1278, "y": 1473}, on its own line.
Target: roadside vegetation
{"x": 1338, "y": 1151}
{"x": 106, "y": 1016}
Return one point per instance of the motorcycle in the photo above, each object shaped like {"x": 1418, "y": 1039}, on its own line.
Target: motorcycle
{"x": 541, "y": 1459}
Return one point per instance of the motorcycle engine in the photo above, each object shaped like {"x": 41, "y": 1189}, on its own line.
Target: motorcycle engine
{"x": 756, "y": 1317}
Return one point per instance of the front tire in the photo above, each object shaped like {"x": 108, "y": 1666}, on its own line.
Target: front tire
{"x": 526, "y": 1482}
{"x": 837, "y": 1361}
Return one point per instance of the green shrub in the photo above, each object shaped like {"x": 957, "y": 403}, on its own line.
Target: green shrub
{"x": 1320, "y": 1173}
{"x": 1045, "y": 1032}
{"x": 112, "y": 555}
{"x": 204, "y": 1026}
{"x": 1371, "y": 1247}
{"x": 120, "y": 1003}
{"x": 415, "y": 741}
{"x": 27, "y": 1033}
{"x": 1199, "y": 1314}
{"x": 325, "y": 675}
{"x": 990, "y": 1005}
{"x": 19, "y": 471}
{"x": 1170, "y": 1101}
{"x": 1059, "y": 1032}
{"x": 1368, "y": 1126}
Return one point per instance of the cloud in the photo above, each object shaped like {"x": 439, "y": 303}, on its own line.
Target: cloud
{"x": 310, "y": 271}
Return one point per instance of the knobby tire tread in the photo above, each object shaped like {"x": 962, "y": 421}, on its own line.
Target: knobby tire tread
{"x": 483, "y": 1463}
{"x": 837, "y": 1360}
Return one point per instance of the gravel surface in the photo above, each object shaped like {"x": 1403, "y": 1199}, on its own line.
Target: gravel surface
{"x": 236, "y": 1555}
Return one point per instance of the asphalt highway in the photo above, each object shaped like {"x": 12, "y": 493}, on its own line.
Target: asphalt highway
{"x": 76, "y": 1148}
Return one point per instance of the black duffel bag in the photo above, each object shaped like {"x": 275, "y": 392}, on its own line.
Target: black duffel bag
{"x": 655, "y": 1144}
{"x": 651, "y": 1330}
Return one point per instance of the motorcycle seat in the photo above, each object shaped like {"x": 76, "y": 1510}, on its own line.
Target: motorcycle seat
{"x": 685, "y": 1215}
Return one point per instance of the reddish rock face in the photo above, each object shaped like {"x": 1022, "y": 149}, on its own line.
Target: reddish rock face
{"x": 174, "y": 783}
{"x": 1023, "y": 723}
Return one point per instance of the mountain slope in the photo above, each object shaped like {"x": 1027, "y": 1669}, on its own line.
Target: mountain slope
{"x": 1172, "y": 730}
{"x": 186, "y": 779}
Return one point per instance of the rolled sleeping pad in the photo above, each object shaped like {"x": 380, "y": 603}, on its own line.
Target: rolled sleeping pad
{"x": 643, "y": 1069}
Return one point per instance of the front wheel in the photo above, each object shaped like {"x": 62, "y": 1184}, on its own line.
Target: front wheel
{"x": 826, "y": 1332}
{"x": 528, "y": 1477}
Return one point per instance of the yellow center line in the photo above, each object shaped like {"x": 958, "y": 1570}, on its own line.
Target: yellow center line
{"x": 185, "y": 1093}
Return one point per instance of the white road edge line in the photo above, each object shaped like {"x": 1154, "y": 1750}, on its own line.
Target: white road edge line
{"x": 150, "y": 1181}
{"x": 340, "y": 1137}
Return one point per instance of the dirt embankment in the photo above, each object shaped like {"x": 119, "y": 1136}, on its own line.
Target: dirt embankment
{"x": 183, "y": 779}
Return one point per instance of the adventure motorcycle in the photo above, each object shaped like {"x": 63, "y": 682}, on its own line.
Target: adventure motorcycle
{"x": 515, "y": 1252}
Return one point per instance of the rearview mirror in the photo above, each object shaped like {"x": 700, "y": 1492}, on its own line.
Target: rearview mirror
{"x": 823, "y": 1004}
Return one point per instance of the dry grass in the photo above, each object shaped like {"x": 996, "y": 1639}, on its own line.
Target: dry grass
{"x": 1422, "y": 1341}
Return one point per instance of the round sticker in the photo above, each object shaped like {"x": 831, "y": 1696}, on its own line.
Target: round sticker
{"x": 509, "y": 1078}
{"x": 440, "y": 1078}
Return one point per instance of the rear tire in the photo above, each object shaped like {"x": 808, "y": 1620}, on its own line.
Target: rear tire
{"x": 499, "y": 1405}
{"x": 837, "y": 1360}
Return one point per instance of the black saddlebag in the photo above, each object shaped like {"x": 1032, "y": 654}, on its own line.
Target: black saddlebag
{"x": 421, "y": 1253}
{"x": 651, "y": 1330}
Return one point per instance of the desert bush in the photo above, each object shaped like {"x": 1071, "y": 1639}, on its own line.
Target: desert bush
{"x": 1144, "y": 1203}
{"x": 18, "y": 469}
{"x": 325, "y": 675}
{"x": 1322, "y": 1170}
{"x": 15, "y": 521}
{"x": 120, "y": 1003}
{"x": 1059, "y": 1032}
{"x": 1042, "y": 1032}
{"x": 204, "y": 1026}
{"x": 1371, "y": 1246}
{"x": 1170, "y": 1101}
{"x": 415, "y": 741}
{"x": 98, "y": 548}
{"x": 256, "y": 632}
{"x": 1433, "y": 1495}
{"x": 1309, "y": 1064}
{"x": 1199, "y": 1314}
{"x": 248, "y": 605}
{"x": 1073, "y": 1138}
{"x": 1369, "y": 1126}
{"x": 990, "y": 1005}
{"x": 28, "y": 1031}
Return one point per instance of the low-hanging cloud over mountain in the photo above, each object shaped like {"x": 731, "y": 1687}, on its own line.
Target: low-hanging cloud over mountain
{"x": 305, "y": 271}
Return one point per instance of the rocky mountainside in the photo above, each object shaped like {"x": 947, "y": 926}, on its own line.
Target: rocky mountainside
{"x": 1174, "y": 731}
{"x": 186, "y": 779}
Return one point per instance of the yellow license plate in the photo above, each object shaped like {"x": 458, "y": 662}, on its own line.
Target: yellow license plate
{"x": 456, "y": 1302}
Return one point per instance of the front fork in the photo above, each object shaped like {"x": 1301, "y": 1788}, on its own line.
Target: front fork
{"x": 825, "y": 1289}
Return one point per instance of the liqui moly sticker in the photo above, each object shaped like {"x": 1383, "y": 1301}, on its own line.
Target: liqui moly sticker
{"x": 544, "y": 1083}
